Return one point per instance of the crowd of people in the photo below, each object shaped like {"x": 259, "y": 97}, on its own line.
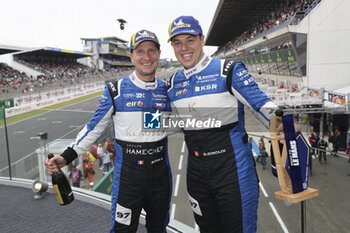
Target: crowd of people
{"x": 275, "y": 18}
{"x": 11, "y": 78}
{"x": 98, "y": 157}
{"x": 320, "y": 148}
{"x": 320, "y": 145}
{"x": 54, "y": 74}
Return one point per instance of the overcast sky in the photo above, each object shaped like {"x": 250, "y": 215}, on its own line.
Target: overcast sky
{"x": 61, "y": 23}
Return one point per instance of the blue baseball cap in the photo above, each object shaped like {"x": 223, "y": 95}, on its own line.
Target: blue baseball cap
{"x": 184, "y": 25}
{"x": 141, "y": 36}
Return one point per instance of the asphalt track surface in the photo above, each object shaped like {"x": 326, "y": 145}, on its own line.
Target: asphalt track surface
{"x": 329, "y": 212}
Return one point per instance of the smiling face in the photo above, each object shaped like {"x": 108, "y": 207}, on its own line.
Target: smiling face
{"x": 188, "y": 49}
{"x": 145, "y": 57}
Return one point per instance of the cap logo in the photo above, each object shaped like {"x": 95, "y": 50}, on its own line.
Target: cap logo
{"x": 183, "y": 25}
{"x": 179, "y": 22}
{"x": 141, "y": 36}
{"x": 144, "y": 33}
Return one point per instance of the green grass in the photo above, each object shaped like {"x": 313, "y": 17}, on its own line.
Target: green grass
{"x": 25, "y": 115}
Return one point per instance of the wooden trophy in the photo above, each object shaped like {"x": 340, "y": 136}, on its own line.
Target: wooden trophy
{"x": 294, "y": 187}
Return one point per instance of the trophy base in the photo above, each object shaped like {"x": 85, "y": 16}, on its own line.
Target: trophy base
{"x": 297, "y": 197}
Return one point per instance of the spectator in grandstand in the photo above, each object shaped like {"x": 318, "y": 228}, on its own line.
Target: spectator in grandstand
{"x": 220, "y": 160}
{"x": 142, "y": 176}
{"x": 275, "y": 18}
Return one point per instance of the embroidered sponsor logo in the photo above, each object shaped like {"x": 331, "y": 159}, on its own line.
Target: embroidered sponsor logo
{"x": 150, "y": 85}
{"x": 144, "y": 34}
{"x": 159, "y": 105}
{"x": 151, "y": 151}
{"x": 190, "y": 72}
{"x": 206, "y": 60}
{"x": 129, "y": 95}
{"x": 134, "y": 104}
{"x": 241, "y": 73}
{"x": 140, "y": 95}
{"x": 156, "y": 160}
{"x": 181, "y": 92}
{"x": 148, "y": 133}
{"x": 183, "y": 84}
{"x": 103, "y": 98}
{"x": 206, "y": 76}
{"x": 249, "y": 80}
{"x": 217, "y": 152}
{"x": 112, "y": 87}
{"x": 158, "y": 95}
{"x": 227, "y": 67}
{"x": 205, "y": 88}
{"x": 178, "y": 22}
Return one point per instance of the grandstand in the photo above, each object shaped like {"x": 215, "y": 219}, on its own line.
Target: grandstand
{"x": 47, "y": 60}
{"x": 297, "y": 51}
{"x": 35, "y": 70}
{"x": 109, "y": 52}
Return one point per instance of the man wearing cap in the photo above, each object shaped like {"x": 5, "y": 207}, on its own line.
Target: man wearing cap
{"x": 142, "y": 175}
{"x": 221, "y": 178}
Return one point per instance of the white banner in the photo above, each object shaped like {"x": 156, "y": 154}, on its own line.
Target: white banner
{"x": 48, "y": 98}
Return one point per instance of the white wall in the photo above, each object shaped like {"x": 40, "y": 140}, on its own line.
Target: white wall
{"x": 6, "y": 58}
{"x": 25, "y": 69}
{"x": 329, "y": 45}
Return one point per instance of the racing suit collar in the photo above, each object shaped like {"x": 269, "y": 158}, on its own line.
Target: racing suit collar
{"x": 201, "y": 65}
{"x": 142, "y": 84}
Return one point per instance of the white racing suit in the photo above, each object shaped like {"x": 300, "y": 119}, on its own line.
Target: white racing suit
{"x": 142, "y": 175}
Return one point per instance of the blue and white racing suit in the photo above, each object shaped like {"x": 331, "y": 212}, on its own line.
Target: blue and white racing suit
{"x": 142, "y": 175}
{"x": 221, "y": 177}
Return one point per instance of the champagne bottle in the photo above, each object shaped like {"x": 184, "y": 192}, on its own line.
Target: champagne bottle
{"x": 61, "y": 186}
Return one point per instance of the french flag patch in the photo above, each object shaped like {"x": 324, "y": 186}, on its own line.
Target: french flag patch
{"x": 140, "y": 162}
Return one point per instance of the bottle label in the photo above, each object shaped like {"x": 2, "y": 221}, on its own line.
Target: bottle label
{"x": 58, "y": 194}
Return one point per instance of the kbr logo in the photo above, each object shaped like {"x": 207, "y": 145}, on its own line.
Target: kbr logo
{"x": 152, "y": 120}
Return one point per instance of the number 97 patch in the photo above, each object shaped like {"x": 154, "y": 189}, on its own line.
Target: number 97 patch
{"x": 123, "y": 215}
